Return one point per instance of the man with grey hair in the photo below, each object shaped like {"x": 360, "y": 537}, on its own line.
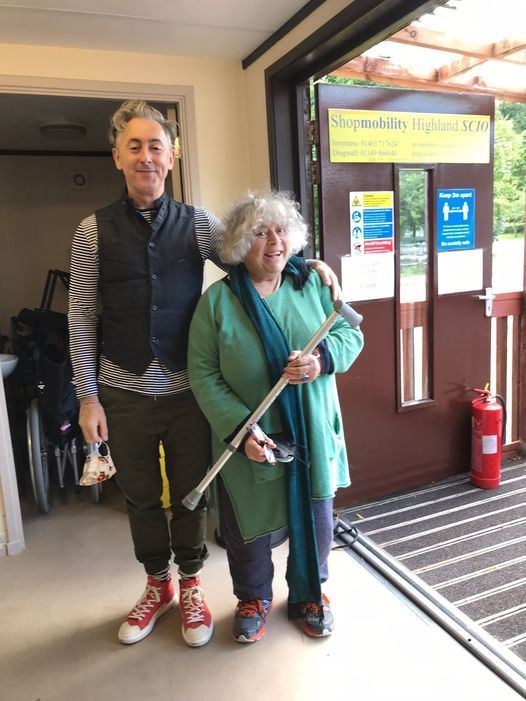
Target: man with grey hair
{"x": 138, "y": 266}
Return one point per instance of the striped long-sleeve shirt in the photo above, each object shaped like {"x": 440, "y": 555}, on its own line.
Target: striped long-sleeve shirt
{"x": 84, "y": 311}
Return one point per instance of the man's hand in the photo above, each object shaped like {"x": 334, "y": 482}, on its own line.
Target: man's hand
{"x": 328, "y": 277}
{"x": 92, "y": 420}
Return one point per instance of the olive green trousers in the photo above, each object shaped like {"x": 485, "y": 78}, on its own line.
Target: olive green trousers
{"x": 137, "y": 424}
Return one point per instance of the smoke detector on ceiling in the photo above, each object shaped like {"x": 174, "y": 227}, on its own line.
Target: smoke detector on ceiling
{"x": 62, "y": 129}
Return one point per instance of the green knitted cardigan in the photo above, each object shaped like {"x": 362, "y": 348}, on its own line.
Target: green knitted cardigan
{"x": 302, "y": 566}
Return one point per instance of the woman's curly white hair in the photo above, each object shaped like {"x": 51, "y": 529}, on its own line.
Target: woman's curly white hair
{"x": 255, "y": 209}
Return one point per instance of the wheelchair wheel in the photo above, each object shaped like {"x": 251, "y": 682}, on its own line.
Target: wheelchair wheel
{"x": 37, "y": 452}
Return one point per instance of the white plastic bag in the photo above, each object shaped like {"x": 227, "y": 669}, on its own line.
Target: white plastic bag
{"x": 99, "y": 466}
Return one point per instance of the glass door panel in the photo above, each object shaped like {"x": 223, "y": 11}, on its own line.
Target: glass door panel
{"x": 414, "y": 305}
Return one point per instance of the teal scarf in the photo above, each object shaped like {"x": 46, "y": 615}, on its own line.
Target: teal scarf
{"x": 302, "y": 566}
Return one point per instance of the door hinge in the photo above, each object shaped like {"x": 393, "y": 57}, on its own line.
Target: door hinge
{"x": 313, "y": 133}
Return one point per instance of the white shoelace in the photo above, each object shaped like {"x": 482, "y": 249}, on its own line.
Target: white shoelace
{"x": 192, "y": 602}
{"x": 151, "y": 596}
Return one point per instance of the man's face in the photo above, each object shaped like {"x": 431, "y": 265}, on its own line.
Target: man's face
{"x": 144, "y": 154}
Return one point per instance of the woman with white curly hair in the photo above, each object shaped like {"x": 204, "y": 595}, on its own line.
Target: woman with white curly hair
{"x": 244, "y": 336}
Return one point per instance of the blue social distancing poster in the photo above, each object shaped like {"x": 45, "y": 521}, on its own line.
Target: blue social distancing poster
{"x": 455, "y": 219}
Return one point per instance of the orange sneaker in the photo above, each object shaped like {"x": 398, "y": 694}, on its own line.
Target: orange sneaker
{"x": 318, "y": 621}
{"x": 250, "y": 620}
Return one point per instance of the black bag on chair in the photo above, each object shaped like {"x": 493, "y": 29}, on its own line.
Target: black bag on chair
{"x": 57, "y": 393}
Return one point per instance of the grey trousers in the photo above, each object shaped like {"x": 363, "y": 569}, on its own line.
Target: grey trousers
{"x": 137, "y": 424}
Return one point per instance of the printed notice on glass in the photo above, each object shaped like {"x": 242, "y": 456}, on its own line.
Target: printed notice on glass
{"x": 455, "y": 219}
{"x": 368, "y": 271}
{"x": 371, "y": 222}
{"x": 367, "y": 277}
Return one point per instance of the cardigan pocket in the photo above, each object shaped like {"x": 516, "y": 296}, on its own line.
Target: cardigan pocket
{"x": 335, "y": 438}
{"x": 263, "y": 472}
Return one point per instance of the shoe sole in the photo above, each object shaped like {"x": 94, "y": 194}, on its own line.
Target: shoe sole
{"x": 200, "y": 643}
{"x": 324, "y": 634}
{"x": 258, "y": 636}
{"x": 151, "y": 625}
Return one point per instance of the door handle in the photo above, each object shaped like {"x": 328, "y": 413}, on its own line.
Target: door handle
{"x": 488, "y": 298}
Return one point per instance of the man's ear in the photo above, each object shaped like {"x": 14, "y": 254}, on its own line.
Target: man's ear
{"x": 116, "y": 158}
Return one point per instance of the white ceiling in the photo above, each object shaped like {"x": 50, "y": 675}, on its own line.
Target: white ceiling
{"x": 212, "y": 28}
{"x": 215, "y": 28}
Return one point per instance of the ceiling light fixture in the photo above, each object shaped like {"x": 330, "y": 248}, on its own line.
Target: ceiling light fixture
{"x": 62, "y": 129}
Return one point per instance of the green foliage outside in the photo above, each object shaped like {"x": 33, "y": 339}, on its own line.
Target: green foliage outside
{"x": 339, "y": 80}
{"x": 509, "y": 170}
{"x": 412, "y": 210}
{"x": 414, "y": 249}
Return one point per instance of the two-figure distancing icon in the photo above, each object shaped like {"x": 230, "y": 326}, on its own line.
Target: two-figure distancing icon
{"x": 464, "y": 209}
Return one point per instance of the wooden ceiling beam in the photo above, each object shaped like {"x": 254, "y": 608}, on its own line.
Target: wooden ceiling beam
{"x": 506, "y": 49}
{"x": 510, "y": 49}
{"x": 458, "y": 67}
{"x": 413, "y": 35}
{"x": 464, "y": 73}
{"x": 382, "y": 66}
{"x": 415, "y": 83}
{"x": 482, "y": 84}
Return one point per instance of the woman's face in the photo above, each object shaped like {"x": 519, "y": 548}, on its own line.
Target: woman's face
{"x": 269, "y": 252}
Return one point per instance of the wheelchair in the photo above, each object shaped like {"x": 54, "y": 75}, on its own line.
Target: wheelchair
{"x": 44, "y": 378}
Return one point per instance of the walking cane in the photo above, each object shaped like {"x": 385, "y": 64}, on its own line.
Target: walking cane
{"x": 340, "y": 308}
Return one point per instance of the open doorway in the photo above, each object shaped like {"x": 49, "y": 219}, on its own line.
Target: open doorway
{"x": 55, "y": 168}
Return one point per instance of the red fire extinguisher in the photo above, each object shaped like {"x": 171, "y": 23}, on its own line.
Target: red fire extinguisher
{"x": 488, "y": 418}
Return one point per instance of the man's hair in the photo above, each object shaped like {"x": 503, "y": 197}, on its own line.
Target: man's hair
{"x": 138, "y": 109}
{"x": 256, "y": 209}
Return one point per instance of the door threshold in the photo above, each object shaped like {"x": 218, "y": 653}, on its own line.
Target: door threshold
{"x": 505, "y": 664}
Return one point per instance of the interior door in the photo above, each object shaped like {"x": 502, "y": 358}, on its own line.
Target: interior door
{"x": 406, "y": 401}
